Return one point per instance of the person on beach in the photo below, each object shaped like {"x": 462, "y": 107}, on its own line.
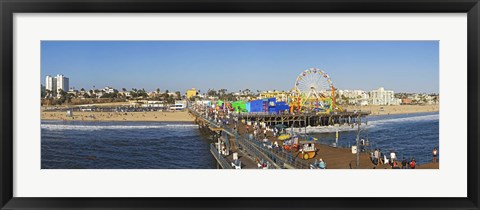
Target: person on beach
{"x": 434, "y": 153}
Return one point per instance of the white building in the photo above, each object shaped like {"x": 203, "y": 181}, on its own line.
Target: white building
{"x": 62, "y": 82}
{"x": 109, "y": 90}
{"x": 383, "y": 97}
{"x": 125, "y": 93}
{"x": 355, "y": 94}
{"x": 51, "y": 84}
{"x": 352, "y": 97}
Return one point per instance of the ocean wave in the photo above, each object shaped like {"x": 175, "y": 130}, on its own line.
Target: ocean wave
{"x": 405, "y": 119}
{"x": 112, "y": 127}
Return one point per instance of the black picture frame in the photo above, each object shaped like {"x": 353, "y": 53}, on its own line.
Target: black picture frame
{"x": 9, "y": 7}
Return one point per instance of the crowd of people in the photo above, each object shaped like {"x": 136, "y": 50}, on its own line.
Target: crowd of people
{"x": 379, "y": 158}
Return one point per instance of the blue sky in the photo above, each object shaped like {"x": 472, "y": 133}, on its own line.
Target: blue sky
{"x": 402, "y": 66}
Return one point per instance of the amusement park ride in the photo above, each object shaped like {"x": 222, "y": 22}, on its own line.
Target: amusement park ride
{"x": 313, "y": 91}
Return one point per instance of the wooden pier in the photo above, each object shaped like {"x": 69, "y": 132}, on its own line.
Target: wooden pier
{"x": 249, "y": 150}
{"x": 305, "y": 119}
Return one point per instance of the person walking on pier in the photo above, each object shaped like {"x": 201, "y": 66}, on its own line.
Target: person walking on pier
{"x": 380, "y": 157}
{"x": 413, "y": 163}
{"x": 434, "y": 153}
{"x": 393, "y": 156}
{"x": 322, "y": 164}
{"x": 376, "y": 156}
{"x": 404, "y": 163}
{"x": 362, "y": 145}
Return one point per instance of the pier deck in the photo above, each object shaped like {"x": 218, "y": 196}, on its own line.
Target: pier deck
{"x": 250, "y": 149}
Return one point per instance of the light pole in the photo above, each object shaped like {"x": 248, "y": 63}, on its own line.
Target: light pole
{"x": 358, "y": 140}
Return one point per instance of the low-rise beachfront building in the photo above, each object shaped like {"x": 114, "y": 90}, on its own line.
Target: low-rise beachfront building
{"x": 109, "y": 90}
{"x": 99, "y": 94}
{"x": 279, "y": 95}
{"x": 173, "y": 95}
{"x": 383, "y": 97}
{"x": 153, "y": 104}
{"x": 126, "y": 94}
{"x": 362, "y": 102}
{"x": 72, "y": 91}
{"x": 179, "y": 105}
{"x": 426, "y": 99}
{"x": 154, "y": 94}
{"x": 352, "y": 97}
{"x": 406, "y": 101}
{"x": 191, "y": 93}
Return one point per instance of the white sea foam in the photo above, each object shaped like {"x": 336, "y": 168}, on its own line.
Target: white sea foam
{"x": 112, "y": 127}
{"x": 406, "y": 119}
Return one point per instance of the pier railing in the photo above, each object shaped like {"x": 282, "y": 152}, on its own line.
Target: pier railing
{"x": 267, "y": 114}
{"x": 277, "y": 157}
{"x": 220, "y": 159}
{"x": 281, "y": 156}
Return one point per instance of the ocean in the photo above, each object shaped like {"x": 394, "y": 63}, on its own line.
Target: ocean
{"x": 167, "y": 145}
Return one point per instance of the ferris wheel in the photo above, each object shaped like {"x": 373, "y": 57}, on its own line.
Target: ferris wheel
{"x": 313, "y": 83}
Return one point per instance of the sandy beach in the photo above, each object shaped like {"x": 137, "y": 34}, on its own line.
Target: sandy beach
{"x": 184, "y": 116}
{"x": 394, "y": 109}
{"x": 179, "y": 116}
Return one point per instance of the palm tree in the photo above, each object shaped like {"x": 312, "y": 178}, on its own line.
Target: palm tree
{"x": 47, "y": 93}
{"x": 179, "y": 95}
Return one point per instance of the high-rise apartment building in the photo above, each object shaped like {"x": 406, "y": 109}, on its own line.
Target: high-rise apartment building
{"x": 53, "y": 84}
{"x": 62, "y": 82}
